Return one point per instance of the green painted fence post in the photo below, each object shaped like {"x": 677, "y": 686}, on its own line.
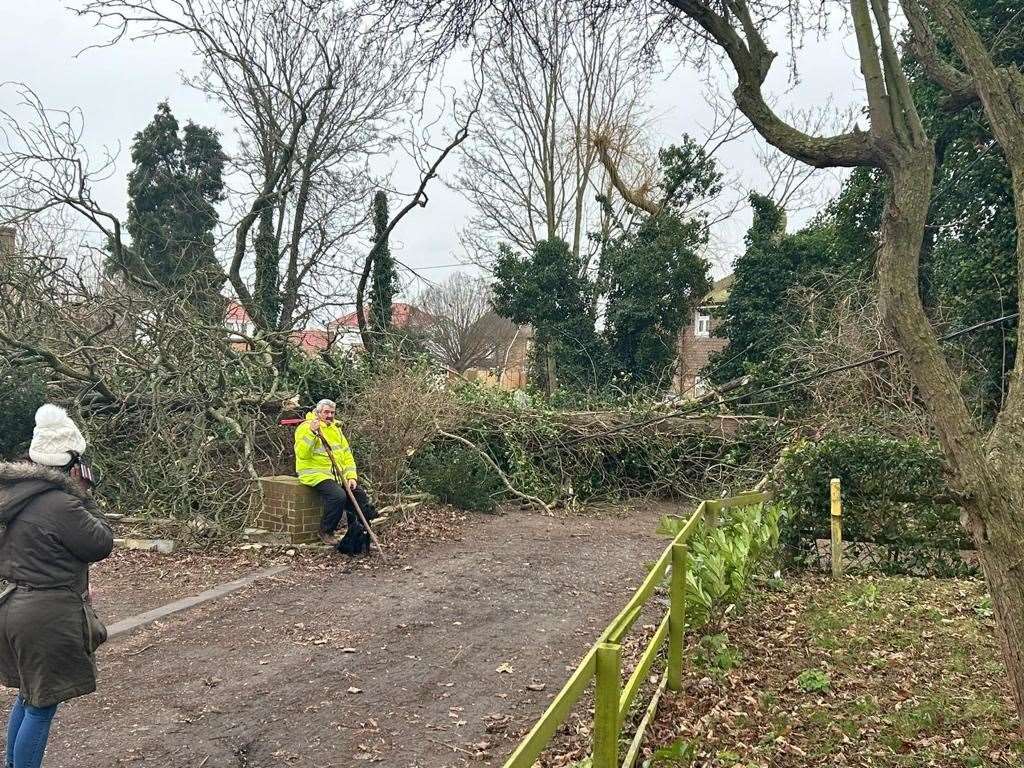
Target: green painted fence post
{"x": 606, "y": 705}
{"x": 677, "y": 616}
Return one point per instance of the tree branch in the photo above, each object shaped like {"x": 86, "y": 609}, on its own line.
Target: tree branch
{"x": 959, "y": 86}
{"x": 752, "y": 60}
{"x": 419, "y": 199}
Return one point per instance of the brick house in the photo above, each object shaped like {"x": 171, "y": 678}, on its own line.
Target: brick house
{"x": 238, "y": 323}
{"x": 697, "y": 340}
{"x": 404, "y": 317}
{"x": 341, "y": 333}
{"x": 509, "y": 367}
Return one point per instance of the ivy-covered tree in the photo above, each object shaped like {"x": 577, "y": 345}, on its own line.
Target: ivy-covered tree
{"x": 384, "y": 279}
{"x": 266, "y": 293}
{"x": 756, "y": 316}
{"x": 652, "y": 272}
{"x": 173, "y": 188}
{"x": 549, "y": 291}
{"x": 655, "y": 277}
{"x": 969, "y": 264}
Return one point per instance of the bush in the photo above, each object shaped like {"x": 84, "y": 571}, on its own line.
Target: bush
{"x": 21, "y": 394}
{"x": 894, "y": 494}
{"x": 392, "y": 418}
{"x": 458, "y": 476}
{"x": 723, "y": 558}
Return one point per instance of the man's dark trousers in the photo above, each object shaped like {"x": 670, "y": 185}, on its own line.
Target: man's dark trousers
{"x": 336, "y": 505}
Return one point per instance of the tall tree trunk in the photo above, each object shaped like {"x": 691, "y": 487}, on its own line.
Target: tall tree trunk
{"x": 901, "y": 238}
{"x": 991, "y": 481}
{"x": 998, "y": 531}
{"x": 267, "y": 288}
{"x": 551, "y": 369}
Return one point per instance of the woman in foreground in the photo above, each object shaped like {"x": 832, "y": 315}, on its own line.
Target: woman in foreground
{"x": 50, "y": 530}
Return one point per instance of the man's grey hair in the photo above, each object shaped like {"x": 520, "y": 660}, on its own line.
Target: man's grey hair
{"x": 325, "y": 403}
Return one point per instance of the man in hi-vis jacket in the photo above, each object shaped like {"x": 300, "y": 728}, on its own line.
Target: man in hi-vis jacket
{"x": 314, "y": 467}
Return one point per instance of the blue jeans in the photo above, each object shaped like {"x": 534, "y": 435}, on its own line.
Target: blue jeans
{"x": 27, "y": 733}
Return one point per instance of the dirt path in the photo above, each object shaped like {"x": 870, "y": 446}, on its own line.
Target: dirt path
{"x": 394, "y": 667}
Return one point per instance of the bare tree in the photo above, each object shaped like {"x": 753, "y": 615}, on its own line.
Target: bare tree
{"x": 462, "y": 330}
{"x": 45, "y": 169}
{"x": 531, "y": 171}
{"x": 149, "y": 376}
{"x": 293, "y": 74}
{"x": 418, "y": 199}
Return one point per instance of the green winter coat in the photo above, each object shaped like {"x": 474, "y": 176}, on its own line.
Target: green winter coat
{"x": 50, "y": 531}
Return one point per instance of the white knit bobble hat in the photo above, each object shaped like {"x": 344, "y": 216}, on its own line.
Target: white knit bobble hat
{"x": 54, "y": 437}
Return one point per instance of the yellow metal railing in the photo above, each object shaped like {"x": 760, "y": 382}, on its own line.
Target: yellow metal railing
{"x": 603, "y": 663}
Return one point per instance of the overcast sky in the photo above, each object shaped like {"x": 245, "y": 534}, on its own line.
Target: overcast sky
{"x": 117, "y": 90}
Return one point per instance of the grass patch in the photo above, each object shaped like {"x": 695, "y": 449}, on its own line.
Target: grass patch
{"x": 865, "y": 673}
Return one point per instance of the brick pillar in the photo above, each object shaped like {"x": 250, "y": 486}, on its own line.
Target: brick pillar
{"x": 290, "y": 508}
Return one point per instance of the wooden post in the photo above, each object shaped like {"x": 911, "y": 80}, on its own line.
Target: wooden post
{"x": 837, "y": 529}
{"x": 677, "y": 616}
{"x": 712, "y": 513}
{"x": 606, "y": 705}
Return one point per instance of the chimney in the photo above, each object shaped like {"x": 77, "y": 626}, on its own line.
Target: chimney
{"x": 7, "y": 241}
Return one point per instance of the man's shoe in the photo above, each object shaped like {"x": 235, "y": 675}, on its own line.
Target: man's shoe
{"x": 327, "y": 538}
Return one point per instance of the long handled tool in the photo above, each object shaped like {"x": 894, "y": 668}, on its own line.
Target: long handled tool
{"x": 352, "y": 498}
{"x": 340, "y": 478}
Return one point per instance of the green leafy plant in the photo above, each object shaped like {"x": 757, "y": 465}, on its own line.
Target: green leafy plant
{"x": 983, "y": 608}
{"x": 894, "y": 496}
{"x": 679, "y": 754}
{"x": 867, "y": 598}
{"x": 458, "y": 476}
{"x": 723, "y": 558}
{"x": 716, "y": 652}
{"x": 813, "y": 681}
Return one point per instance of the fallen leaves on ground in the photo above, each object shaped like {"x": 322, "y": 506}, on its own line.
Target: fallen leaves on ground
{"x": 860, "y": 673}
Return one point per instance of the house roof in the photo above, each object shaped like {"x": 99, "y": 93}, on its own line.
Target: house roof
{"x": 235, "y": 312}
{"x": 319, "y": 339}
{"x": 315, "y": 340}
{"x": 720, "y": 290}
{"x": 402, "y": 316}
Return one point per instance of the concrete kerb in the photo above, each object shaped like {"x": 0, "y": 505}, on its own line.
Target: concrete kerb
{"x": 143, "y": 619}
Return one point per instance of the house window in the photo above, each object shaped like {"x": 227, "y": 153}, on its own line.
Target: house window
{"x": 702, "y": 324}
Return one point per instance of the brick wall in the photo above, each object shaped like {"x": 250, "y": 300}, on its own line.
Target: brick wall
{"x": 290, "y": 508}
{"x": 694, "y": 352}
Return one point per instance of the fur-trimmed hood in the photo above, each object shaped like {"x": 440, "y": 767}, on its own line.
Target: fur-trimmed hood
{"x": 20, "y": 482}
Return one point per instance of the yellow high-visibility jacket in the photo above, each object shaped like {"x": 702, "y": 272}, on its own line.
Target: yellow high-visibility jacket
{"x": 312, "y": 464}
